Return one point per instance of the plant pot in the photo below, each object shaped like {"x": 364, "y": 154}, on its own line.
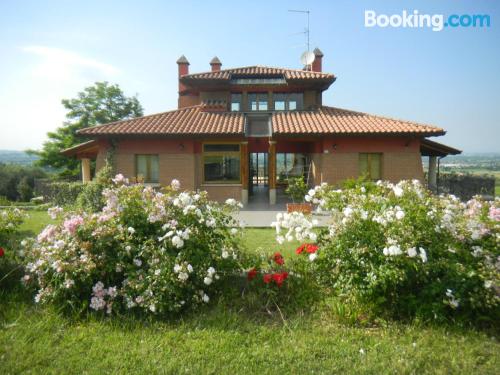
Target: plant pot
{"x": 305, "y": 208}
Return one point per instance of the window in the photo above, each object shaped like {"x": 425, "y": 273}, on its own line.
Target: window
{"x": 235, "y": 102}
{"x": 370, "y": 166}
{"x": 288, "y": 102}
{"x": 147, "y": 168}
{"x": 258, "y": 101}
{"x": 291, "y": 165}
{"x": 221, "y": 163}
{"x": 279, "y": 102}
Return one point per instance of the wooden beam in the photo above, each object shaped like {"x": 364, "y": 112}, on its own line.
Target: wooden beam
{"x": 272, "y": 164}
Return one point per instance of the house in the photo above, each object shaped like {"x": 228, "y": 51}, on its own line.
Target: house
{"x": 240, "y": 133}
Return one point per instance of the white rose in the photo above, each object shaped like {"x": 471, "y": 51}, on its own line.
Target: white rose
{"x": 175, "y": 184}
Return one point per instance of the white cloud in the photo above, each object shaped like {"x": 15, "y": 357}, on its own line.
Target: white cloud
{"x": 60, "y": 63}
{"x": 31, "y": 92}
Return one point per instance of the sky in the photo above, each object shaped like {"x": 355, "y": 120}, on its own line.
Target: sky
{"x": 50, "y": 50}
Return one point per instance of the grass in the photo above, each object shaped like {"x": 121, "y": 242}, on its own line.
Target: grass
{"x": 35, "y": 222}
{"x": 227, "y": 339}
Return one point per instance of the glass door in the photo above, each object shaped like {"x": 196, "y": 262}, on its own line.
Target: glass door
{"x": 259, "y": 169}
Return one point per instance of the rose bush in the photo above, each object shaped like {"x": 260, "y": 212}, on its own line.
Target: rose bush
{"x": 149, "y": 251}
{"x": 403, "y": 251}
{"x": 285, "y": 283}
{"x": 10, "y": 220}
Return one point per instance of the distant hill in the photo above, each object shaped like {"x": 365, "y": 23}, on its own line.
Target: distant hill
{"x": 16, "y": 157}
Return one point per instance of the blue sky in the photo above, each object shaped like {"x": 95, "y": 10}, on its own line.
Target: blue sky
{"x": 52, "y": 49}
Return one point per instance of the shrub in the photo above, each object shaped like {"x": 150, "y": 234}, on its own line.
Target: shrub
{"x": 296, "y": 189}
{"x": 91, "y": 199}
{"x": 10, "y": 220}
{"x": 276, "y": 282}
{"x": 155, "y": 252}
{"x": 16, "y": 180}
{"x": 62, "y": 193}
{"x": 24, "y": 189}
{"x": 403, "y": 251}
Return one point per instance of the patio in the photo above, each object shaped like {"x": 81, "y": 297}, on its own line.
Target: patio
{"x": 259, "y": 213}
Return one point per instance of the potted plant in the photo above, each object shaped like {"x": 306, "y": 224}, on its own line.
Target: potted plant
{"x": 297, "y": 189}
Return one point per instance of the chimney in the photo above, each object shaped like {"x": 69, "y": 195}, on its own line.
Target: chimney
{"x": 318, "y": 57}
{"x": 215, "y": 64}
{"x": 183, "y": 65}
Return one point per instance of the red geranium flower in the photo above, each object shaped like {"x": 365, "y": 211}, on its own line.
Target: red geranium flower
{"x": 267, "y": 278}
{"x": 279, "y": 278}
{"x": 300, "y": 249}
{"x": 2, "y": 252}
{"x": 310, "y": 248}
{"x": 278, "y": 258}
{"x": 251, "y": 274}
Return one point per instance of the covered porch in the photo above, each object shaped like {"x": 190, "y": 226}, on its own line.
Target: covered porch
{"x": 435, "y": 151}
{"x": 267, "y": 163}
{"x": 85, "y": 152}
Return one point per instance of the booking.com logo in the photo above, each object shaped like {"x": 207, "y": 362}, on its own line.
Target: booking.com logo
{"x": 436, "y": 22}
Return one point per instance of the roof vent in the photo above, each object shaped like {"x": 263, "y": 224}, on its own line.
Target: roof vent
{"x": 214, "y": 105}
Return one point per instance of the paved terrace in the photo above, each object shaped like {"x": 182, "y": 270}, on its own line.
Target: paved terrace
{"x": 258, "y": 213}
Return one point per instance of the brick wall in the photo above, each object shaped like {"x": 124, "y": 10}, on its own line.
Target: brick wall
{"x": 338, "y": 167}
{"x": 223, "y": 192}
{"x": 176, "y": 160}
{"x": 179, "y": 166}
{"x": 188, "y": 101}
{"x": 398, "y": 166}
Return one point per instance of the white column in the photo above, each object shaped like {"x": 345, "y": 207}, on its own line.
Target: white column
{"x": 85, "y": 170}
{"x": 432, "y": 173}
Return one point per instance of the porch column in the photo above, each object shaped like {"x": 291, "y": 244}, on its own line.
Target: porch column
{"x": 244, "y": 172}
{"x": 272, "y": 172}
{"x": 432, "y": 173}
{"x": 85, "y": 170}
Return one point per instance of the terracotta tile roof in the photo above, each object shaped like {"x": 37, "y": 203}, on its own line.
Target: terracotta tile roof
{"x": 90, "y": 147}
{"x": 198, "y": 120}
{"x": 184, "y": 121}
{"x": 257, "y": 70}
{"x": 330, "y": 120}
{"x": 432, "y": 148}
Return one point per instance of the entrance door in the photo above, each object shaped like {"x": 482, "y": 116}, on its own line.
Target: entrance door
{"x": 259, "y": 176}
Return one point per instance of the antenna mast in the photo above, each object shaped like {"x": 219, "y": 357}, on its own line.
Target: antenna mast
{"x": 306, "y": 31}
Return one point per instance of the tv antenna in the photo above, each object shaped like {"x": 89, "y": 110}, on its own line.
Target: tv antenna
{"x": 306, "y": 31}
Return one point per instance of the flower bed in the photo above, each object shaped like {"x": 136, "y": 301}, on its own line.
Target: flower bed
{"x": 149, "y": 251}
{"x": 403, "y": 251}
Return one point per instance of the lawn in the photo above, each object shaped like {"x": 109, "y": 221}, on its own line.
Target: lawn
{"x": 225, "y": 338}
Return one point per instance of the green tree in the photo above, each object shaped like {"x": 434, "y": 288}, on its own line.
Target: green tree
{"x": 24, "y": 189}
{"x": 95, "y": 105}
